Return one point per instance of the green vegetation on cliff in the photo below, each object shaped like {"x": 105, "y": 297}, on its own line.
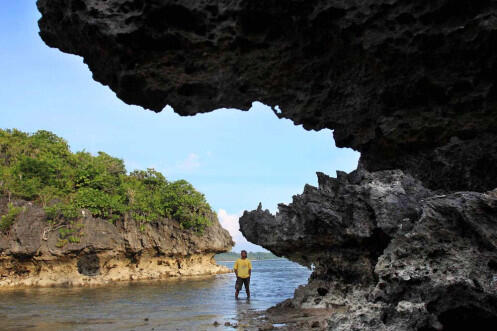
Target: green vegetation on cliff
{"x": 40, "y": 167}
{"x": 9, "y": 218}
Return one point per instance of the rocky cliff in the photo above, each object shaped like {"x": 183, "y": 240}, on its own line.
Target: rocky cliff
{"x": 407, "y": 241}
{"x": 33, "y": 253}
{"x": 387, "y": 253}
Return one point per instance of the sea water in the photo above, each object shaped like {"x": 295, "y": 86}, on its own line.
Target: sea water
{"x": 175, "y": 304}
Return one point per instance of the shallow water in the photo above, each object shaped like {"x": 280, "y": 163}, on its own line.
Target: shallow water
{"x": 177, "y": 304}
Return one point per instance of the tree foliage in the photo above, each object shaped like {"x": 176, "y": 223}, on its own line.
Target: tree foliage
{"x": 8, "y": 219}
{"x": 40, "y": 167}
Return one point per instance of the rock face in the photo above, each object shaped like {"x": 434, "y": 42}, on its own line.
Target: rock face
{"x": 101, "y": 252}
{"x": 388, "y": 254}
{"x": 411, "y": 85}
{"x": 347, "y": 220}
{"x": 407, "y": 241}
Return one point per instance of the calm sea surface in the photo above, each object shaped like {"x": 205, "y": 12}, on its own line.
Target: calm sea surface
{"x": 179, "y": 304}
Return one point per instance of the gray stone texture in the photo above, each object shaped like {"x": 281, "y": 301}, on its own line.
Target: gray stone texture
{"x": 409, "y": 84}
{"x": 387, "y": 253}
{"x": 125, "y": 237}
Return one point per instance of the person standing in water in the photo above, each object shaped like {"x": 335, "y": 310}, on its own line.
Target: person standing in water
{"x": 243, "y": 271}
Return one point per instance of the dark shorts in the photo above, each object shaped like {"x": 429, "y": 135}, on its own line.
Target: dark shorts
{"x": 242, "y": 281}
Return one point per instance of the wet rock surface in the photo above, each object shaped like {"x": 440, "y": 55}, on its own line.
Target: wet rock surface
{"x": 411, "y": 85}
{"x": 33, "y": 253}
{"x": 407, "y": 241}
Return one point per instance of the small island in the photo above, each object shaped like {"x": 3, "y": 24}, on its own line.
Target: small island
{"x": 254, "y": 256}
{"x": 79, "y": 219}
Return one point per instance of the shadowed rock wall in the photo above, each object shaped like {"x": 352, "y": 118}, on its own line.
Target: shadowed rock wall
{"x": 409, "y": 84}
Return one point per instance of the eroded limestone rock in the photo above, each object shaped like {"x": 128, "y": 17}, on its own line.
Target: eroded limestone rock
{"x": 102, "y": 252}
{"x": 388, "y": 254}
{"x": 409, "y": 84}
{"x": 358, "y": 211}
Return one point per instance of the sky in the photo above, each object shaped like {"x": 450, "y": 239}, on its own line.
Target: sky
{"x": 237, "y": 159}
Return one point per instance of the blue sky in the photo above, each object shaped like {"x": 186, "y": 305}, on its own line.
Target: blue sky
{"x": 237, "y": 159}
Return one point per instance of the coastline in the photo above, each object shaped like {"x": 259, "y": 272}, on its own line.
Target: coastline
{"x": 251, "y": 260}
{"x": 111, "y": 270}
{"x": 104, "y": 252}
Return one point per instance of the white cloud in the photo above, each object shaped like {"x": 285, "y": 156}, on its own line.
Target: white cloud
{"x": 230, "y": 223}
{"x": 190, "y": 163}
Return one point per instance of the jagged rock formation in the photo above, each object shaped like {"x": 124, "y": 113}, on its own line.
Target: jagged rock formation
{"x": 409, "y": 84}
{"x": 391, "y": 254}
{"x": 359, "y": 212}
{"x": 103, "y": 252}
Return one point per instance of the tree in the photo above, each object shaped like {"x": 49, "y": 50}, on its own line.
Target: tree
{"x": 40, "y": 167}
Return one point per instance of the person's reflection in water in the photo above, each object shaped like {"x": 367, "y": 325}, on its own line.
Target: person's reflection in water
{"x": 244, "y": 311}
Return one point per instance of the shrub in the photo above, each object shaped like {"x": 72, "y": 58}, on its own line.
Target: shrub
{"x": 8, "y": 219}
{"x": 61, "y": 243}
{"x": 64, "y": 211}
{"x": 71, "y": 235}
{"x": 40, "y": 167}
{"x": 183, "y": 203}
{"x": 99, "y": 203}
{"x": 64, "y": 232}
{"x": 73, "y": 239}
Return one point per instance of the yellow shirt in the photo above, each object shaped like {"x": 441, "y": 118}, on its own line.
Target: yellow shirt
{"x": 242, "y": 266}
